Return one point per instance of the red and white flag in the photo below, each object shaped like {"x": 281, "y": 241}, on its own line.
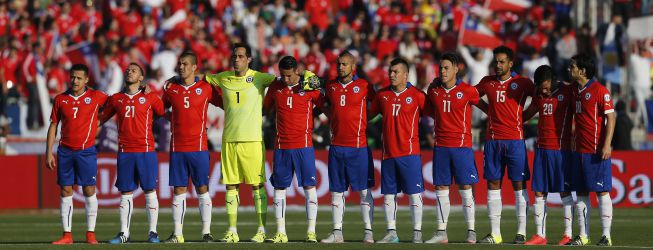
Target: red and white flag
{"x": 508, "y": 5}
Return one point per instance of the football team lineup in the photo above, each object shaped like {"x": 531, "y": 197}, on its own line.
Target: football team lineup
{"x": 567, "y": 159}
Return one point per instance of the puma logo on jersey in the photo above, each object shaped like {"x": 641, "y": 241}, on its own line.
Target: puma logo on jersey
{"x": 600, "y": 184}
{"x": 65, "y": 101}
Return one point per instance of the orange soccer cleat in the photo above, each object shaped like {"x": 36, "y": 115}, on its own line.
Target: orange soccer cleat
{"x": 565, "y": 239}
{"x": 536, "y": 240}
{"x": 90, "y": 238}
{"x": 66, "y": 238}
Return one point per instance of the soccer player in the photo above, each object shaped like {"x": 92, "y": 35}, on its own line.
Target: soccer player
{"x": 189, "y": 153}
{"x": 400, "y": 104}
{"x": 137, "y": 160}
{"x": 505, "y": 148}
{"x": 243, "y": 152}
{"x": 350, "y": 161}
{"x": 592, "y": 167}
{"x": 554, "y": 102}
{"x": 77, "y": 110}
{"x": 450, "y": 103}
{"x": 293, "y": 144}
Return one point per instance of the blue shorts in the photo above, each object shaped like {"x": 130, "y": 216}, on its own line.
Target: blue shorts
{"x": 76, "y": 167}
{"x": 300, "y": 160}
{"x": 135, "y": 169}
{"x": 459, "y": 161}
{"x": 500, "y": 154}
{"x": 551, "y": 170}
{"x": 589, "y": 173}
{"x": 350, "y": 166}
{"x": 402, "y": 174}
{"x": 184, "y": 163}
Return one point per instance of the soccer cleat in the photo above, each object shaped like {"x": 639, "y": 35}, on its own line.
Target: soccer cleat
{"x": 119, "y": 239}
{"x": 439, "y": 236}
{"x": 90, "y": 238}
{"x": 536, "y": 240}
{"x": 579, "y": 241}
{"x": 153, "y": 237}
{"x": 604, "y": 241}
{"x": 278, "y": 238}
{"x": 207, "y": 238}
{"x": 491, "y": 239}
{"x": 311, "y": 237}
{"x": 368, "y": 236}
{"x": 390, "y": 237}
{"x": 519, "y": 239}
{"x": 334, "y": 237}
{"x": 565, "y": 240}
{"x": 229, "y": 237}
{"x": 174, "y": 239}
{"x": 417, "y": 236}
{"x": 66, "y": 238}
{"x": 259, "y": 237}
{"x": 471, "y": 236}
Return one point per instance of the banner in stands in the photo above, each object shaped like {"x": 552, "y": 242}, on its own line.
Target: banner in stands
{"x": 33, "y": 186}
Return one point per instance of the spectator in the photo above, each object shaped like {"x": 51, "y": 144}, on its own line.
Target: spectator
{"x": 478, "y": 63}
{"x": 639, "y": 65}
{"x": 622, "y": 129}
{"x": 611, "y": 40}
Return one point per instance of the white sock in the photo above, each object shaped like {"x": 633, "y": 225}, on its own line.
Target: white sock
{"x": 206, "y": 207}
{"x": 338, "y": 208}
{"x": 469, "y": 208}
{"x": 67, "y": 213}
{"x": 311, "y": 208}
{"x": 178, "y": 212}
{"x": 583, "y": 211}
{"x": 390, "y": 201}
{"x": 444, "y": 206}
{"x": 126, "y": 209}
{"x": 367, "y": 208}
{"x": 91, "y": 212}
{"x": 567, "y": 213}
{"x": 416, "y": 207}
{"x": 494, "y": 208}
{"x": 280, "y": 209}
{"x": 605, "y": 208}
{"x": 540, "y": 216}
{"x": 521, "y": 209}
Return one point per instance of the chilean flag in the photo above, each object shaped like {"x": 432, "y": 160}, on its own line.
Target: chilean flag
{"x": 508, "y": 5}
{"x": 84, "y": 53}
{"x": 476, "y": 34}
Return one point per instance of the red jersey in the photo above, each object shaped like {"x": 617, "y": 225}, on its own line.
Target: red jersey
{"x": 78, "y": 117}
{"x": 592, "y": 104}
{"x": 135, "y": 114}
{"x": 348, "y": 111}
{"x": 452, "y": 114}
{"x": 294, "y": 108}
{"x": 189, "y": 110}
{"x": 554, "y": 125}
{"x": 401, "y": 112}
{"x": 505, "y": 105}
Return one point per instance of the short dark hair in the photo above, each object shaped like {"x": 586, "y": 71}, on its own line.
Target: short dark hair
{"x": 139, "y": 67}
{"x": 79, "y": 67}
{"x": 346, "y": 53}
{"x": 544, "y": 73}
{"x": 584, "y": 61}
{"x": 287, "y": 62}
{"x": 190, "y": 54}
{"x": 399, "y": 60}
{"x": 504, "y": 50}
{"x": 452, "y": 57}
{"x": 248, "y": 50}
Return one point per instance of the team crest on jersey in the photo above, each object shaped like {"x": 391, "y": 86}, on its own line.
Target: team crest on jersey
{"x": 606, "y": 97}
{"x": 87, "y": 100}
{"x": 588, "y": 96}
{"x": 357, "y": 89}
{"x": 198, "y": 91}
{"x": 513, "y": 86}
{"x": 141, "y": 100}
{"x": 249, "y": 79}
{"x": 409, "y": 100}
{"x": 561, "y": 98}
{"x": 302, "y": 93}
{"x": 459, "y": 95}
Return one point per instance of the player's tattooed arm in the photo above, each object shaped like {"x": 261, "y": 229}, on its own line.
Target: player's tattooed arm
{"x": 482, "y": 105}
{"x": 530, "y": 112}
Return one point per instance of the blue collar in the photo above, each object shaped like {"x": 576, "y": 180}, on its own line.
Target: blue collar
{"x": 589, "y": 82}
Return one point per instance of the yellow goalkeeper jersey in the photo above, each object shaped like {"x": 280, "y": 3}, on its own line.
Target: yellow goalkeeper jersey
{"x": 242, "y": 98}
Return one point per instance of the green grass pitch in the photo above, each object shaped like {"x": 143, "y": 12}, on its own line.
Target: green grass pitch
{"x": 35, "y": 229}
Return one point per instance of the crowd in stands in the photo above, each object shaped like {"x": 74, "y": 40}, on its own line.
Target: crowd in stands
{"x": 42, "y": 39}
